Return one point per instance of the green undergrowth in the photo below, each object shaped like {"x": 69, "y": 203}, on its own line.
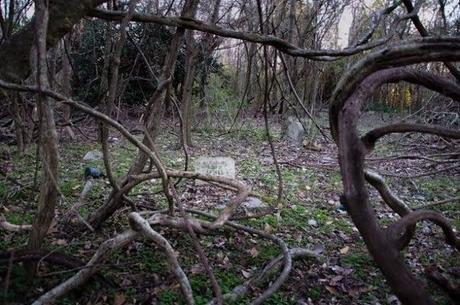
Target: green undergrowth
{"x": 307, "y": 217}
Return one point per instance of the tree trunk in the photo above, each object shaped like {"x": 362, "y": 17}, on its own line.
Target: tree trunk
{"x": 352, "y": 151}
{"x": 187, "y": 86}
{"x": 48, "y": 136}
{"x": 67, "y": 86}
{"x": 18, "y": 123}
{"x": 151, "y": 121}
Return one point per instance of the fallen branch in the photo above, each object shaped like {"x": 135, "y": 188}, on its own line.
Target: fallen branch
{"x": 287, "y": 259}
{"x": 430, "y": 173}
{"x": 412, "y": 157}
{"x": 82, "y": 276}
{"x": 7, "y": 226}
{"x": 439, "y": 202}
{"x": 243, "y": 190}
{"x": 50, "y": 257}
{"x": 139, "y": 224}
{"x": 262, "y": 278}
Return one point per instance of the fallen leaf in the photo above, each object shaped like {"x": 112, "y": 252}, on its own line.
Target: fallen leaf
{"x": 335, "y": 280}
{"x": 126, "y": 283}
{"x": 344, "y": 250}
{"x": 61, "y": 242}
{"x": 53, "y": 227}
{"x": 331, "y": 290}
{"x": 197, "y": 268}
{"x": 253, "y": 252}
{"x": 268, "y": 228}
{"x": 119, "y": 299}
{"x": 246, "y": 274}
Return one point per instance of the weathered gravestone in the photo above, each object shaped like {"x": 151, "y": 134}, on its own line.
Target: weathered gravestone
{"x": 253, "y": 203}
{"x": 250, "y": 204}
{"x": 93, "y": 155}
{"x": 295, "y": 132}
{"x": 215, "y": 166}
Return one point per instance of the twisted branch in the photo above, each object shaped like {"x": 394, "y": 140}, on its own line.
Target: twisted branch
{"x": 141, "y": 225}
{"x": 278, "y": 43}
{"x": 395, "y": 230}
{"x": 370, "y": 138}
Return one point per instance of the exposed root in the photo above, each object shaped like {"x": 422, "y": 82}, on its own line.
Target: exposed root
{"x": 143, "y": 227}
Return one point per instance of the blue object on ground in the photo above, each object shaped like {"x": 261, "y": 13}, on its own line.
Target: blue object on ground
{"x": 94, "y": 173}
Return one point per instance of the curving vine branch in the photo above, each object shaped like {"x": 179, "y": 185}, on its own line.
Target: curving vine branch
{"x": 352, "y": 91}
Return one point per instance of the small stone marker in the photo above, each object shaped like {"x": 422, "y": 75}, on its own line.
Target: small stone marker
{"x": 295, "y": 131}
{"x": 93, "y": 155}
{"x": 312, "y": 222}
{"x": 253, "y": 203}
{"x": 215, "y": 166}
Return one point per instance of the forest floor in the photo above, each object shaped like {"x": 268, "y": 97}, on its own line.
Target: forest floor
{"x": 308, "y": 218}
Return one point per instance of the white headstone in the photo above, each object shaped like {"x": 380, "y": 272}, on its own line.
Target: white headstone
{"x": 216, "y": 166}
{"x": 93, "y": 155}
{"x": 253, "y": 203}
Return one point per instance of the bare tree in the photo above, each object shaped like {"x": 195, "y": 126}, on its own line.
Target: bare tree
{"x": 67, "y": 85}
{"x": 387, "y": 64}
{"x": 48, "y": 136}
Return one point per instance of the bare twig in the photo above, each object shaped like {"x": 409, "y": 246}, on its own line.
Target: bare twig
{"x": 430, "y": 173}
{"x": 299, "y": 100}
{"x": 439, "y": 202}
{"x": 424, "y": 33}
